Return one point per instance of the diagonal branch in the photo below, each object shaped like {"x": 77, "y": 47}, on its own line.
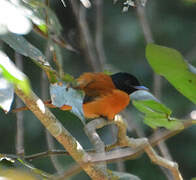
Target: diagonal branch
{"x": 60, "y": 133}
{"x": 99, "y": 32}
{"x": 19, "y": 116}
{"x": 85, "y": 35}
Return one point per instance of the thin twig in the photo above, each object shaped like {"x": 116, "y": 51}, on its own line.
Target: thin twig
{"x": 74, "y": 169}
{"x": 111, "y": 156}
{"x": 49, "y": 139}
{"x": 35, "y": 170}
{"x": 53, "y": 152}
{"x": 160, "y": 135}
{"x": 86, "y": 39}
{"x": 59, "y": 41}
{"x": 19, "y": 115}
{"x": 90, "y": 130}
{"x": 99, "y": 32}
{"x": 44, "y": 95}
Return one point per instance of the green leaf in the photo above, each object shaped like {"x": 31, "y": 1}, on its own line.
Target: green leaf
{"x": 22, "y": 46}
{"x": 170, "y": 64}
{"x": 12, "y": 74}
{"x": 158, "y": 121}
{"x": 68, "y": 78}
{"x": 156, "y": 113}
{"x": 61, "y": 95}
{"x": 43, "y": 28}
{"x": 148, "y": 106}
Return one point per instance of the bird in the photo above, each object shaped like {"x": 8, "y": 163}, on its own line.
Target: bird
{"x": 105, "y": 95}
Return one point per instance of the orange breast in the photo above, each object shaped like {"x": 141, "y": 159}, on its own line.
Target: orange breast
{"x": 108, "y": 105}
{"x": 107, "y": 100}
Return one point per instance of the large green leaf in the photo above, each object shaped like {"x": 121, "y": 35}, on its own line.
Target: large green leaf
{"x": 156, "y": 114}
{"x": 22, "y": 46}
{"x": 12, "y": 74}
{"x": 170, "y": 63}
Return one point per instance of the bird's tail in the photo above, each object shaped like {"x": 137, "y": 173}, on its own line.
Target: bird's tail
{"x": 48, "y": 103}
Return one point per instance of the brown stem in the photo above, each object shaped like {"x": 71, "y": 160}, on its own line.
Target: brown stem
{"x": 99, "y": 32}
{"x": 19, "y": 116}
{"x": 86, "y": 39}
{"x": 60, "y": 133}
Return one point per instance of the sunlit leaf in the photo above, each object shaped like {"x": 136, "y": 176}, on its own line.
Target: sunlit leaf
{"x": 43, "y": 28}
{"x": 86, "y": 3}
{"x": 13, "y": 18}
{"x": 15, "y": 174}
{"x": 61, "y": 95}
{"x": 63, "y": 2}
{"x": 169, "y": 63}
{"x": 4, "y": 157}
{"x": 156, "y": 114}
{"x": 42, "y": 11}
{"x": 6, "y": 94}
{"x": 12, "y": 74}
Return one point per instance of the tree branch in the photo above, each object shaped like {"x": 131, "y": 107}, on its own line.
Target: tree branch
{"x": 99, "y": 32}
{"x": 123, "y": 140}
{"x": 19, "y": 115}
{"x": 60, "y": 133}
{"x": 86, "y": 39}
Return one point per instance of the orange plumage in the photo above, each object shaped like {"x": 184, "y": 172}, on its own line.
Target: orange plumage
{"x": 106, "y": 100}
{"x": 103, "y": 97}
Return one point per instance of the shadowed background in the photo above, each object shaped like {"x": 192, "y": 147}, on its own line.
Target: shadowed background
{"x": 172, "y": 23}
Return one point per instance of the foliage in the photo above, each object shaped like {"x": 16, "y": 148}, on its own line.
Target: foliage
{"x": 170, "y": 64}
{"x": 156, "y": 114}
{"x": 57, "y": 47}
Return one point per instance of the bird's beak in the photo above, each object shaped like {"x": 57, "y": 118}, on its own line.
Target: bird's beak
{"x": 141, "y": 88}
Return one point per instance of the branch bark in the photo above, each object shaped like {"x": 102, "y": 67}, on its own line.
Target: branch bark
{"x": 19, "y": 116}
{"x": 60, "y": 133}
{"x": 85, "y": 35}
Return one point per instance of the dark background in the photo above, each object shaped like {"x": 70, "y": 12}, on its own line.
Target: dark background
{"x": 173, "y": 24}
